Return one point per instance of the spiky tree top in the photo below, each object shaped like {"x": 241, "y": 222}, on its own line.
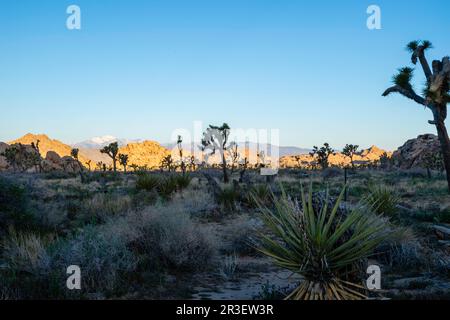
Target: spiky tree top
{"x": 216, "y": 138}
{"x": 74, "y": 153}
{"x": 435, "y": 95}
{"x": 123, "y": 159}
{"x": 111, "y": 150}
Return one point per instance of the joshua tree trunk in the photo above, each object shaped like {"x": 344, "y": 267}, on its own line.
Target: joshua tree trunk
{"x": 224, "y": 168}
{"x": 445, "y": 143}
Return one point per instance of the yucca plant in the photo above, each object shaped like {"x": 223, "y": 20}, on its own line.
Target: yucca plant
{"x": 260, "y": 192}
{"x": 325, "y": 247}
{"x": 228, "y": 197}
{"x": 382, "y": 200}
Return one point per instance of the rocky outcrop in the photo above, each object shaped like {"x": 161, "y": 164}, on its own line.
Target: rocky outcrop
{"x": 46, "y": 144}
{"x": 414, "y": 153}
{"x": 147, "y": 153}
{"x": 366, "y": 156}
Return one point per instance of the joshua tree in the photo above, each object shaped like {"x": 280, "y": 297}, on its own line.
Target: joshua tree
{"x": 216, "y": 138}
{"x": 88, "y": 163}
{"x": 99, "y": 166}
{"x": 180, "y": 152}
{"x": 167, "y": 162}
{"x": 384, "y": 160}
{"x": 135, "y": 167}
{"x": 112, "y": 150}
{"x": 322, "y": 154}
{"x": 243, "y": 165}
{"x": 35, "y": 146}
{"x": 11, "y": 155}
{"x": 234, "y": 156}
{"x": 350, "y": 150}
{"x": 74, "y": 153}
{"x": 20, "y": 158}
{"x": 192, "y": 164}
{"x": 435, "y": 96}
{"x": 433, "y": 161}
{"x": 123, "y": 160}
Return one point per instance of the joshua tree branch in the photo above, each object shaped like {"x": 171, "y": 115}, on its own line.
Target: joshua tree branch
{"x": 424, "y": 62}
{"x": 408, "y": 93}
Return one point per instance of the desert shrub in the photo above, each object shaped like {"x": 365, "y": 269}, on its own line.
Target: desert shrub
{"x": 171, "y": 239}
{"x": 26, "y": 269}
{"x": 307, "y": 236}
{"x": 164, "y": 185}
{"x": 168, "y": 185}
{"x": 147, "y": 182}
{"x": 103, "y": 205}
{"x": 14, "y": 209}
{"x": 103, "y": 258}
{"x": 183, "y": 181}
{"x": 142, "y": 198}
{"x": 238, "y": 235}
{"x": 229, "y": 266}
{"x": 413, "y": 173}
{"x": 443, "y": 216}
{"x": 332, "y": 172}
{"x": 58, "y": 175}
{"x": 270, "y": 292}
{"x": 382, "y": 200}
{"x": 228, "y": 198}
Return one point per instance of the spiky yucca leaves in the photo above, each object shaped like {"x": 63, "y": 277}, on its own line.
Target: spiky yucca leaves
{"x": 412, "y": 46}
{"x": 324, "y": 247}
{"x": 403, "y": 78}
{"x": 382, "y": 200}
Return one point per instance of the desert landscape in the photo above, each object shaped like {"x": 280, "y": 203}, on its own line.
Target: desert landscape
{"x": 225, "y": 150}
{"x": 155, "y": 229}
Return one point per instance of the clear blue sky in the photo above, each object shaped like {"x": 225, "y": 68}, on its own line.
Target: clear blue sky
{"x": 140, "y": 69}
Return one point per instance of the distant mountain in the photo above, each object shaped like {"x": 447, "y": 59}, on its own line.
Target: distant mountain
{"x": 100, "y": 142}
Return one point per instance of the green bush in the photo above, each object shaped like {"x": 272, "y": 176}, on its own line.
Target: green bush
{"x": 14, "y": 206}
{"x": 228, "y": 198}
{"x": 147, "y": 182}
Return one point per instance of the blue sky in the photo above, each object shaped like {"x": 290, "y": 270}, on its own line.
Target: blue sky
{"x": 140, "y": 69}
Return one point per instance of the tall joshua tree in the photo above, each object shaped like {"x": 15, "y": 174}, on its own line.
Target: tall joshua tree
{"x": 112, "y": 150}
{"x": 349, "y": 151}
{"x": 322, "y": 153}
{"x": 435, "y": 96}
{"x": 216, "y": 138}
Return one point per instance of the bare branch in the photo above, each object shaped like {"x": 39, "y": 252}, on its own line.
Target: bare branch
{"x": 408, "y": 93}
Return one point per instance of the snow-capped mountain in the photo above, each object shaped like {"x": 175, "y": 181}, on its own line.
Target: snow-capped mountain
{"x": 100, "y": 142}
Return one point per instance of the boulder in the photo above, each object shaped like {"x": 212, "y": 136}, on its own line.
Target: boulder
{"x": 3, "y": 163}
{"x": 414, "y": 153}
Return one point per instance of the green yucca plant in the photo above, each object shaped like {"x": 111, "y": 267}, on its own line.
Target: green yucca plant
{"x": 382, "y": 200}
{"x": 259, "y": 191}
{"x": 183, "y": 181}
{"x": 326, "y": 247}
{"x": 228, "y": 198}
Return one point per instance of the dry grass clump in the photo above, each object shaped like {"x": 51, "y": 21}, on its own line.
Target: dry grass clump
{"x": 169, "y": 237}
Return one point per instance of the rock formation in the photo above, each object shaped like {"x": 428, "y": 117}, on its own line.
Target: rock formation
{"x": 414, "y": 152}
{"x": 147, "y": 153}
